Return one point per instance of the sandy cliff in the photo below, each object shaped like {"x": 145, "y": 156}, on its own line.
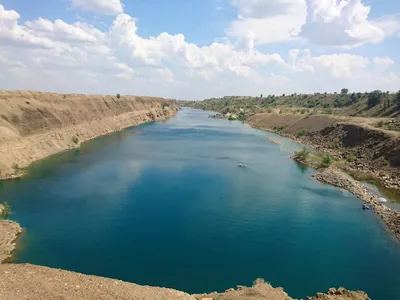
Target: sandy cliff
{"x": 34, "y": 125}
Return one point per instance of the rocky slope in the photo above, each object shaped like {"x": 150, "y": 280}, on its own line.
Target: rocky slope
{"x": 34, "y": 125}
{"x": 9, "y": 232}
{"x": 361, "y": 146}
{"x": 335, "y": 177}
{"x": 34, "y": 282}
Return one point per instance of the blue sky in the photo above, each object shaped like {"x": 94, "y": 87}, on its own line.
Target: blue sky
{"x": 199, "y": 48}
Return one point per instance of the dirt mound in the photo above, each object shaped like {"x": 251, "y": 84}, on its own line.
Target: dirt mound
{"x": 34, "y": 125}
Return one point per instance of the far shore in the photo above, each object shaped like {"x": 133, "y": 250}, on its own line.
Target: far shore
{"x": 337, "y": 177}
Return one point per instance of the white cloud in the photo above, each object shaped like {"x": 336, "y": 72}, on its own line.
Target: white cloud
{"x": 343, "y": 23}
{"x": 173, "y": 49}
{"x": 13, "y": 34}
{"x": 330, "y": 72}
{"x": 262, "y": 8}
{"x": 341, "y": 66}
{"x": 383, "y": 63}
{"x": 58, "y": 56}
{"x": 268, "y": 21}
{"x": 61, "y": 31}
{"x": 107, "y": 7}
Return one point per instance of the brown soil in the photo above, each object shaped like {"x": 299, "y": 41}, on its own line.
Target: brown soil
{"x": 26, "y": 281}
{"x": 34, "y": 125}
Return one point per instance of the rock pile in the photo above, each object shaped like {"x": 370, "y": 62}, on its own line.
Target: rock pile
{"x": 337, "y": 178}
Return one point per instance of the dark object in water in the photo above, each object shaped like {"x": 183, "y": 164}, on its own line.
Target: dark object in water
{"x": 366, "y": 207}
{"x": 241, "y": 166}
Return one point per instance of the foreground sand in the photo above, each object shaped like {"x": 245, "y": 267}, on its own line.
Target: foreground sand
{"x": 26, "y": 281}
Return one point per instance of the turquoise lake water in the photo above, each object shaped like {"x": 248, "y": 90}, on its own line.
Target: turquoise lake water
{"x": 170, "y": 207}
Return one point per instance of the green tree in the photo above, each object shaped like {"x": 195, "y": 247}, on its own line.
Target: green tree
{"x": 302, "y": 155}
{"x": 344, "y": 91}
{"x": 385, "y": 104}
{"x": 326, "y": 161}
{"x": 374, "y": 98}
{"x": 398, "y": 98}
{"x": 241, "y": 116}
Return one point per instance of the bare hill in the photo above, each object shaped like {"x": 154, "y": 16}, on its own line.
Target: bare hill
{"x": 34, "y": 125}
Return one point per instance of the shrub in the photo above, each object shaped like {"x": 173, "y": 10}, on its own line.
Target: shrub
{"x": 302, "y": 155}
{"x": 118, "y": 96}
{"x": 231, "y": 118}
{"x": 379, "y": 124}
{"x": 374, "y": 98}
{"x": 398, "y": 98}
{"x": 164, "y": 105}
{"x": 326, "y": 161}
{"x": 75, "y": 140}
{"x": 6, "y": 210}
{"x": 15, "y": 166}
{"x": 302, "y": 132}
{"x": 344, "y": 91}
{"x": 303, "y": 111}
{"x": 280, "y": 128}
{"x": 351, "y": 158}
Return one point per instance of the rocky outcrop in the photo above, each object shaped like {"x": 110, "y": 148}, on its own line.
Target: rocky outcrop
{"x": 374, "y": 150}
{"x": 9, "y": 232}
{"x": 33, "y": 282}
{"x": 340, "y": 294}
{"x": 260, "y": 290}
{"x": 34, "y": 125}
{"x": 337, "y": 178}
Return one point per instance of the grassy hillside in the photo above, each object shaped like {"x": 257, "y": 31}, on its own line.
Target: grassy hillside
{"x": 372, "y": 104}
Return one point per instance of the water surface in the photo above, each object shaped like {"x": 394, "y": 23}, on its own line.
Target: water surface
{"x": 170, "y": 207}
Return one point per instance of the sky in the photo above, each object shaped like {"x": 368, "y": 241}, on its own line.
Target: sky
{"x": 197, "y": 49}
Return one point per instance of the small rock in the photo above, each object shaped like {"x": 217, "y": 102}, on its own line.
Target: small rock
{"x": 332, "y": 291}
{"x": 340, "y": 291}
